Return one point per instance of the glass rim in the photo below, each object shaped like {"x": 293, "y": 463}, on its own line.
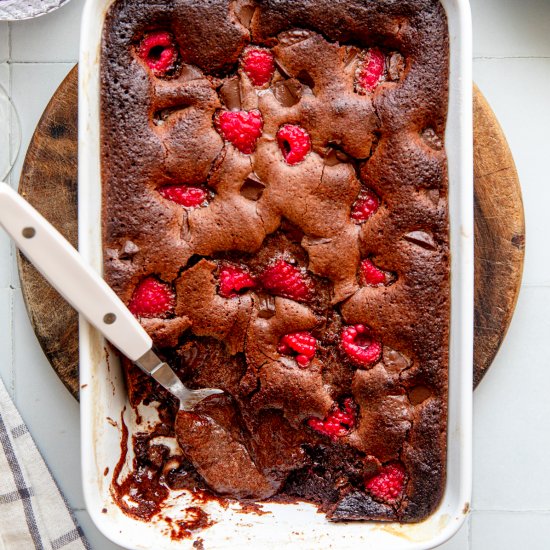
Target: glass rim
{"x": 13, "y": 126}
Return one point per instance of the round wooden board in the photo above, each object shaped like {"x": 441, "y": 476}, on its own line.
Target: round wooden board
{"x": 49, "y": 182}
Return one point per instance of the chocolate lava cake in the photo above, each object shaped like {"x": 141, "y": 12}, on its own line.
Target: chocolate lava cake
{"x": 275, "y": 212}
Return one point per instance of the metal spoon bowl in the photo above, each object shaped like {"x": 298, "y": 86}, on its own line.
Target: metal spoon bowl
{"x": 88, "y": 293}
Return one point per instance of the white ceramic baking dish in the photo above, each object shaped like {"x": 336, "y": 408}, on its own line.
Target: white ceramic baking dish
{"x": 103, "y": 397}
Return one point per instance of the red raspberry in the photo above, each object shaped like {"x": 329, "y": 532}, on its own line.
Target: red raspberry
{"x": 301, "y": 345}
{"x": 186, "y": 195}
{"x": 241, "y": 128}
{"x": 158, "y": 50}
{"x": 294, "y": 142}
{"x": 388, "y": 484}
{"x": 152, "y": 299}
{"x": 233, "y": 279}
{"x": 259, "y": 65}
{"x": 338, "y": 423}
{"x": 371, "y": 274}
{"x": 365, "y": 206}
{"x": 283, "y": 279}
{"x": 361, "y": 348}
{"x": 370, "y": 71}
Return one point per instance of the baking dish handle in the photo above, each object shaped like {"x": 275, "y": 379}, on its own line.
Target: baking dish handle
{"x": 67, "y": 272}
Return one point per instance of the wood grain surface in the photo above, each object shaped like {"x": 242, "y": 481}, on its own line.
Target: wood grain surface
{"x": 499, "y": 236}
{"x": 49, "y": 182}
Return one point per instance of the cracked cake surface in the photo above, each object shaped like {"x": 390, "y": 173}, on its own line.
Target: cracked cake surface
{"x": 275, "y": 213}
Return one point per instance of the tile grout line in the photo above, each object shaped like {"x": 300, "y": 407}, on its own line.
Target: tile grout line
{"x": 41, "y": 62}
{"x": 504, "y": 57}
{"x": 544, "y": 512}
{"x": 11, "y": 288}
{"x": 10, "y": 93}
{"x": 534, "y": 285}
{"x": 11, "y": 307}
{"x": 11, "y": 254}
{"x": 12, "y": 321}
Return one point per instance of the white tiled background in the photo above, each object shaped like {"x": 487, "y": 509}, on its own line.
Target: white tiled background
{"x": 511, "y": 502}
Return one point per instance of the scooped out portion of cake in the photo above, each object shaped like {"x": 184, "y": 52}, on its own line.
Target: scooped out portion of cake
{"x": 275, "y": 213}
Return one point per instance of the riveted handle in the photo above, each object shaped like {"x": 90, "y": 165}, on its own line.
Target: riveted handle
{"x": 68, "y": 273}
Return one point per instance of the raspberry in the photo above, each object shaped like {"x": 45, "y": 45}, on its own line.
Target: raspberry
{"x": 186, "y": 195}
{"x": 338, "y": 423}
{"x": 241, "y": 128}
{"x": 301, "y": 345}
{"x": 283, "y": 279}
{"x": 371, "y": 274}
{"x": 294, "y": 142}
{"x": 388, "y": 484}
{"x": 359, "y": 346}
{"x": 158, "y": 50}
{"x": 365, "y": 206}
{"x": 259, "y": 65}
{"x": 233, "y": 279}
{"x": 152, "y": 299}
{"x": 370, "y": 71}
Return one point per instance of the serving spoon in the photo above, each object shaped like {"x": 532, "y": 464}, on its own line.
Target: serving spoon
{"x": 65, "y": 269}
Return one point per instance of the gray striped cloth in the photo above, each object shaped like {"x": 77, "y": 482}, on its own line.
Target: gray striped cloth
{"x": 12, "y": 10}
{"x": 33, "y": 512}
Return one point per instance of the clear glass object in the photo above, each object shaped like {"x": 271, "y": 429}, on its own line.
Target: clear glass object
{"x": 10, "y": 134}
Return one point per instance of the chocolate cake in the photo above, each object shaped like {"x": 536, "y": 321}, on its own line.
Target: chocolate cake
{"x": 275, "y": 213}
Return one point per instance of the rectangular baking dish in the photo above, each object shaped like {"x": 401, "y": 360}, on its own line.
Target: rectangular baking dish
{"x": 103, "y": 398}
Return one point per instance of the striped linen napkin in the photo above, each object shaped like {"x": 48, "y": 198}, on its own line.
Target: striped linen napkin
{"x": 33, "y": 512}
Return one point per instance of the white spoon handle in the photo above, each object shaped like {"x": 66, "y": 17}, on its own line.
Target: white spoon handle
{"x": 67, "y": 272}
